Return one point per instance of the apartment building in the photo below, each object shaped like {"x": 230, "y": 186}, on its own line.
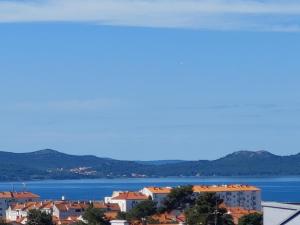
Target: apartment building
{"x": 126, "y": 200}
{"x": 64, "y": 210}
{"x": 157, "y": 194}
{"x": 243, "y": 196}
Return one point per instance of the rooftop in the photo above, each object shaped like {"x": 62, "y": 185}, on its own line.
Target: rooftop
{"x": 130, "y": 196}
{"x": 288, "y": 206}
{"x": 224, "y": 188}
{"x": 18, "y": 195}
{"x": 160, "y": 190}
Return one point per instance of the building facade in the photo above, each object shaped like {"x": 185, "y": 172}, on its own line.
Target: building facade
{"x": 126, "y": 200}
{"x": 19, "y": 211}
{"x": 157, "y": 194}
{"x": 243, "y": 196}
{"x": 64, "y": 210}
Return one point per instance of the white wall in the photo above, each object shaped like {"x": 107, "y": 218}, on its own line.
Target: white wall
{"x": 155, "y": 197}
{"x": 119, "y": 222}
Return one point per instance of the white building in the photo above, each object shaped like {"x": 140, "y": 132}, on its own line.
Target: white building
{"x": 243, "y": 196}
{"x": 157, "y": 194}
{"x": 126, "y": 200}
{"x": 7, "y": 198}
{"x": 18, "y": 211}
{"x": 281, "y": 214}
{"x": 63, "y": 210}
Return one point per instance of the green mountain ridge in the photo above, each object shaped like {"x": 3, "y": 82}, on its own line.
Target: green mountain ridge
{"x": 51, "y": 164}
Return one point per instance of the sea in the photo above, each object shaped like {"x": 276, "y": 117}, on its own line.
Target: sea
{"x": 281, "y": 189}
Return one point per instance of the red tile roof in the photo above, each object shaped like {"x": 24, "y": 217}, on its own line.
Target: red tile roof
{"x": 106, "y": 206}
{"x": 130, "y": 196}
{"x": 32, "y": 205}
{"x": 224, "y": 188}
{"x": 160, "y": 190}
{"x": 18, "y": 195}
{"x": 65, "y": 206}
{"x": 238, "y": 212}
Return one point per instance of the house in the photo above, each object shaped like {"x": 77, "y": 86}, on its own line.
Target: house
{"x": 67, "y": 221}
{"x": 126, "y": 200}
{"x": 238, "y": 212}
{"x": 281, "y": 214}
{"x": 7, "y": 198}
{"x": 19, "y": 211}
{"x": 174, "y": 216}
{"x": 157, "y": 194}
{"x": 63, "y": 210}
{"x": 106, "y": 207}
{"x": 243, "y": 196}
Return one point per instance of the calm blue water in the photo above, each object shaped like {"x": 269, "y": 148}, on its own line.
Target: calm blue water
{"x": 284, "y": 189}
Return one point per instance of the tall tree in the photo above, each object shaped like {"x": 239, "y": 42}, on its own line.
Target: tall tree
{"x": 94, "y": 216}
{"x": 178, "y": 198}
{"x": 207, "y": 211}
{"x": 251, "y": 219}
{"x": 37, "y": 217}
{"x": 143, "y": 210}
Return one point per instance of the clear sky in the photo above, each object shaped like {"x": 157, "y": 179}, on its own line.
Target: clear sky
{"x": 150, "y": 79}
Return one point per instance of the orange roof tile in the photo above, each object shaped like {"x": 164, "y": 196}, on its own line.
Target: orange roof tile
{"x": 106, "y": 206}
{"x": 160, "y": 190}
{"x": 224, "y": 188}
{"x": 18, "y": 195}
{"x": 111, "y": 215}
{"x": 65, "y": 206}
{"x": 31, "y": 205}
{"x": 130, "y": 196}
{"x": 238, "y": 212}
{"x": 5, "y": 194}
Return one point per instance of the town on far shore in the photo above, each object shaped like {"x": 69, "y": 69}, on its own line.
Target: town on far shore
{"x": 236, "y": 204}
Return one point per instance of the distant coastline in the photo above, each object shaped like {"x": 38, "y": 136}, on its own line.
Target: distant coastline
{"x": 282, "y": 189}
{"x": 50, "y": 164}
{"x": 151, "y": 178}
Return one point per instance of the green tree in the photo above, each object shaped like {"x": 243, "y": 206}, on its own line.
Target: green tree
{"x": 94, "y": 216}
{"x": 178, "y": 198}
{"x": 3, "y": 222}
{"x": 142, "y": 210}
{"x": 122, "y": 216}
{"x": 251, "y": 219}
{"x": 37, "y": 217}
{"x": 207, "y": 211}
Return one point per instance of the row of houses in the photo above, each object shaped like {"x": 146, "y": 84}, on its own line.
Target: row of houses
{"x": 242, "y": 196}
{"x": 14, "y": 206}
{"x": 61, "y": 211}
{"x": 8, "y": 198}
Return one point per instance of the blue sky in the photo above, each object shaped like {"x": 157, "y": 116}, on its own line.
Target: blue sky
{"x": 190, "y": 80}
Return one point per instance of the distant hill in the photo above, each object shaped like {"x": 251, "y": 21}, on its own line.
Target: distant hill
{"x": 51, "y": 164}
{"x": 160, "y": 162}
